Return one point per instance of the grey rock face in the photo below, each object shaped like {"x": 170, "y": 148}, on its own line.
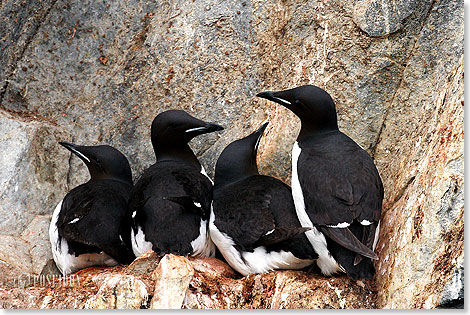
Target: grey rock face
{"x": 19, "y": 23}
{"x": 33, "y": 180}
{"x": 382, "y": 17}
{"x": 420, "y": 152}
{"x": 33, "y": 170}
{"x": 95, "y": 72}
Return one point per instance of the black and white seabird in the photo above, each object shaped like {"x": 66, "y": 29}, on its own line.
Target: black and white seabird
{"x": 170, "y": 205}
{"x": 89, "y": 225}
{"x": 336, "y": 187}
{"x": 253, "y": 221}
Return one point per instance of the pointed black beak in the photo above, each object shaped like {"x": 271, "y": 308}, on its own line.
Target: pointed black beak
{"x": 76, "y": 150}
{"x": 211, "y": 127}
{"x": 267, "y": 95}
{"x": 261, "y": 129}
{"x": 259, "y": 134}
{"x": 207, "y": 128}
{"x": 278, "y": 97}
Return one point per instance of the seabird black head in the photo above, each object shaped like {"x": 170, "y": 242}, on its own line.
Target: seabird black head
{"x": 103, "y": 161}
{"x": 238, "y": 159}
{"x": 171, "y": 132}
{"x": 313, "y": 105}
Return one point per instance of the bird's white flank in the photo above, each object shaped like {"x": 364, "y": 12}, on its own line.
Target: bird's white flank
{"x": 326, "y": 262}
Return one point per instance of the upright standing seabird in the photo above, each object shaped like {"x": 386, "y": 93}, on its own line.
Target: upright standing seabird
{"x": 89, "y": 225}
{"x": 170, "y": 204}
{"x": 253, "y": 221}
{"x": 336, "y": 187}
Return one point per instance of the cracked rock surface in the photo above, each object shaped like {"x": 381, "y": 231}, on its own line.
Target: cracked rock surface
{"x": 95, "y": 72}
{"x": 178, "y": 282}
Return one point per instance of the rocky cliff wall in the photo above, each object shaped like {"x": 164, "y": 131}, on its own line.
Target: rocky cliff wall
{"x": 98, "y": 72}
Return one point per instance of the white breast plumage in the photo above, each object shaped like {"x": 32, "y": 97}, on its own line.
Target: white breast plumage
{"x": 203, "y": 245}
{"x": 257, "y": 261}
{"x": 139, "y": 244}
{"x": 326, "y": 262}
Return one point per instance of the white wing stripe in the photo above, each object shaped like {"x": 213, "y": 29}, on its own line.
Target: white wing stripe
{"x": 339, "y": 225}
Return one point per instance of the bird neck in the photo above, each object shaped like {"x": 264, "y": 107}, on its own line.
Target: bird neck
{"x": 123, "y": 178}
{"x": 182, "y": 153}
{"x": 97, "y": 173}
{"x": 309, "y": 131}
{"x": 227, "y": 175}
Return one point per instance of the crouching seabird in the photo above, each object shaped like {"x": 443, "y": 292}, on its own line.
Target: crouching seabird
{"x": 253, "y": 221}
{"x": 88, "y": 226}
{"x": 170, "y": 204}
{"x": 336, "y": 187}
